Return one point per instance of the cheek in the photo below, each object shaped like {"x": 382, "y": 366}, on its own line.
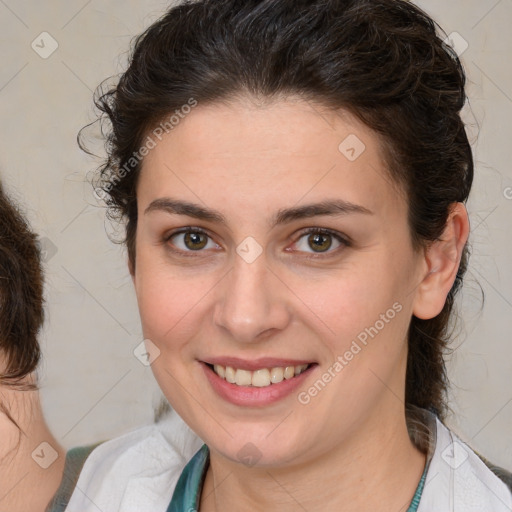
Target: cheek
{"x": 342, "y": 299}
{"x": 171, "y": 302}
{"x": 161, "y": 303}
{"x": 361, "y": 303}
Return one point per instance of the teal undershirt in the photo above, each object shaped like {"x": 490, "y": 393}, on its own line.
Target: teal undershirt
{"x": 187, "y": 493}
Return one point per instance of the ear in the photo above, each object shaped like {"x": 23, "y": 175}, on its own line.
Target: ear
{"x": 442, "y": 258}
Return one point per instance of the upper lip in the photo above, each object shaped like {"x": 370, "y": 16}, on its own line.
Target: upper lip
{"x": 255, "y": 364}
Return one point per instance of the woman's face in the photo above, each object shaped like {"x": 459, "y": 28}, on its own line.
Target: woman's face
{"x": 271, "y": 238}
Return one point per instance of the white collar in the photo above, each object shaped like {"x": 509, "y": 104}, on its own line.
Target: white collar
{"x": 457, "y": 479}
{"x": 138, "y": 471}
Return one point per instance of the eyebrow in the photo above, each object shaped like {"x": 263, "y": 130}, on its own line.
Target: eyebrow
{"x": 333, "y": 208}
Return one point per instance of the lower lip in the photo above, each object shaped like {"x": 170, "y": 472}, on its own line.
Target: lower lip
{"x": 252, "y": 396}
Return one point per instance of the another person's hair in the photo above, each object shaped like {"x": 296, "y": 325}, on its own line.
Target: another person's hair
{"x": 383, "y": 60}
{"x": 21, "y": 296}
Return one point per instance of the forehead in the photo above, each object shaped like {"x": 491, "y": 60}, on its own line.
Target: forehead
{"x": 257, "y": 157}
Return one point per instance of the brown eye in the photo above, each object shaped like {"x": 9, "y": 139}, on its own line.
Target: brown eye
{"x": 195, "y": 241}
{"x": 320, "y": 242}
{"x": 191, "y": 239}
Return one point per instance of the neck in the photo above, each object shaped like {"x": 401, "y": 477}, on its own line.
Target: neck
{"x": 379, "y": 468}
{"x": 25, "y": 483}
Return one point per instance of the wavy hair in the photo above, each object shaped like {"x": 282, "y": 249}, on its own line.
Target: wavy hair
{"x": 21, "y": 296}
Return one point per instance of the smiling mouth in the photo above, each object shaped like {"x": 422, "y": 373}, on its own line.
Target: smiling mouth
{"x": 259, "y": 378}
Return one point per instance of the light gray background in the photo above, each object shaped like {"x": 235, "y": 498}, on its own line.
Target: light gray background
{"x": 93, "y": 388}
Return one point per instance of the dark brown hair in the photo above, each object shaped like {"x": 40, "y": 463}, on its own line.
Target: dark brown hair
{"x": 21, "y": 295}
{"x": 383, "y": 60}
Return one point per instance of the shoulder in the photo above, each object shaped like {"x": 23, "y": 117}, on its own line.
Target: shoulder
{"x": 457, "y": 474}
{"x": 504, "y": 475}
{"x": 137, "y": 471}
{"x": 75, "y": 459}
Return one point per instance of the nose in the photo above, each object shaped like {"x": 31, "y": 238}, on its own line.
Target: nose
{"x": 252, "y": 304}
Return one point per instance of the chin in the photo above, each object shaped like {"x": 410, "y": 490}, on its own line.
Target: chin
{"x": 257, "y": 450}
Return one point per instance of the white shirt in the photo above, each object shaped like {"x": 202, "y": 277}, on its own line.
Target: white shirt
{"x": 139, "y": 471}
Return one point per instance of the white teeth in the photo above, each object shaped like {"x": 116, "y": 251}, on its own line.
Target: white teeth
{"x": 289, "y": 372}
{"x": 243, "y": 378}
{"x": 230, "y": 374}
{"x": 259, "y": 378}
{"x": 220, "y": 370}
{"x": 276, "y": 375}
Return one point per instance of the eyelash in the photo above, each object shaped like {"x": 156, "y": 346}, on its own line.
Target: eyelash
{"x": 344, "y": 241}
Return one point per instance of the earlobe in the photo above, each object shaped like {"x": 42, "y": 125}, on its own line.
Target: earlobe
{"x": 443, "y": 259}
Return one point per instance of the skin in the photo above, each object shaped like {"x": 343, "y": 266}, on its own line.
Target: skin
{"x": 25, "y": 485}
{"x": 247, "y": 162}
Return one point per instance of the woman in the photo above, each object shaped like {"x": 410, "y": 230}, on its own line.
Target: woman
{"x": 36, "y": 473}
{"x": 293, "y": 178}
{"x": 31, "y": 460}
